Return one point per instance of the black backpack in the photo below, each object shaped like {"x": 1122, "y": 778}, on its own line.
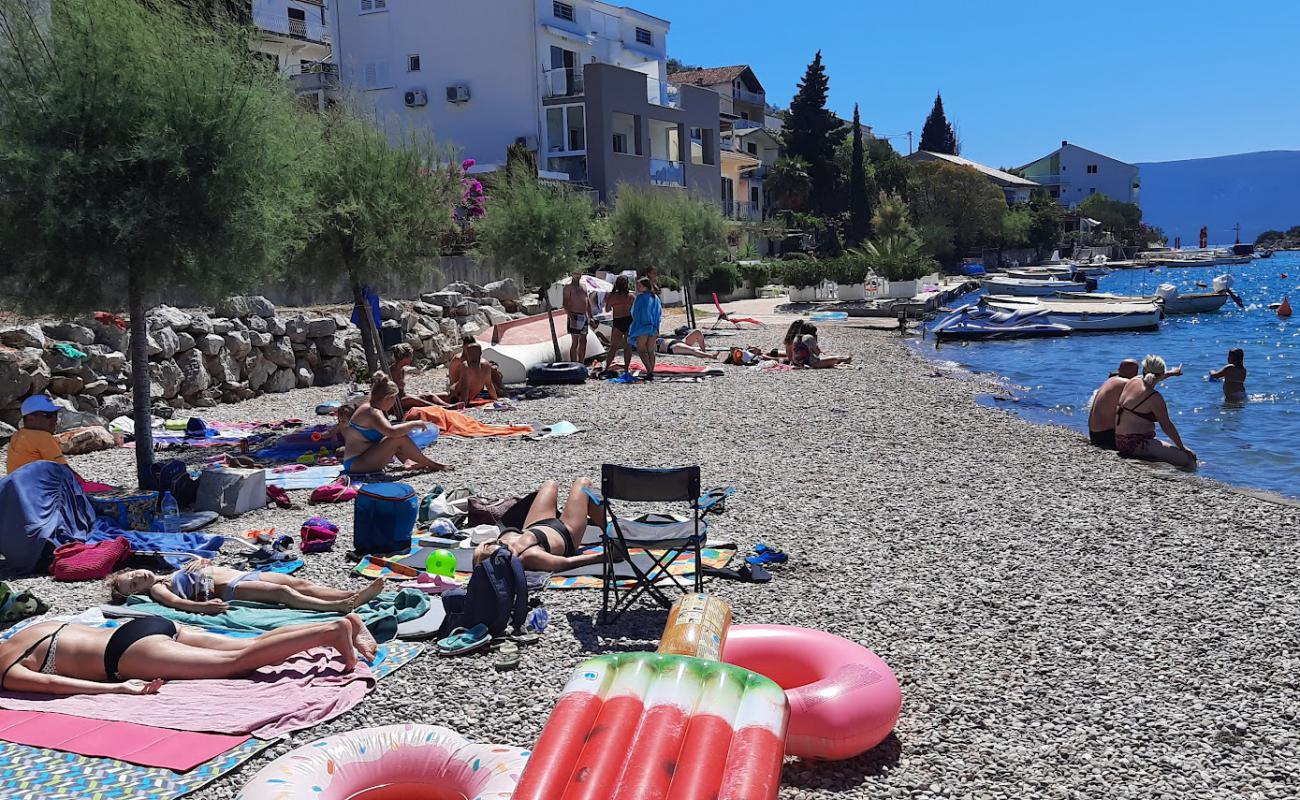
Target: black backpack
{"x": 174, "y": 476}
{"x": 496, "y": 596}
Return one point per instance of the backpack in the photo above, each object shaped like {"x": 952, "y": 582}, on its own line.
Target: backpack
{"x": 174, "y": 476}
{"x": 496, "y": 596}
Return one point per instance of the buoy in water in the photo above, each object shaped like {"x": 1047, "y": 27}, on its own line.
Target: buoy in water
{"x": 1284, "y": 310}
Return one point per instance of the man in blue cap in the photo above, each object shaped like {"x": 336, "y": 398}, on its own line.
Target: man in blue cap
{"x": 35, "y": 441}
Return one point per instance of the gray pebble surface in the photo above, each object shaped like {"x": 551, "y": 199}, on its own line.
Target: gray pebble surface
{"x": 1063, "y": 624}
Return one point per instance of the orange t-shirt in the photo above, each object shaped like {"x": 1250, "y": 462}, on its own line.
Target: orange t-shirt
{"x": 28, "y": 445}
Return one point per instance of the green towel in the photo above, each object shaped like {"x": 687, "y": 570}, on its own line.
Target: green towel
{"x": 382, "y": 615}
{"x": 69, "y": 351}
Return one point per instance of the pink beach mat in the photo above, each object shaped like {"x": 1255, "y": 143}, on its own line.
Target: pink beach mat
{"x": 147, "y": 746}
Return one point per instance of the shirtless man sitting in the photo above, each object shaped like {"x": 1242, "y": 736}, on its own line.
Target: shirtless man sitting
{"x": 472, "y": 376}
{"x": 1105, "y": 404}
{"x": 454, "y": 396}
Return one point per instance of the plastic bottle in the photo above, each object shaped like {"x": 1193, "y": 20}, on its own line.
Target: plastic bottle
{"x": 697, "y": 626}
{"x": 169, "y": 514}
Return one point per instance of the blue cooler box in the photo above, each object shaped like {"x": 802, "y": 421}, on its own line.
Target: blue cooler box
{"x": 384, "y": 518}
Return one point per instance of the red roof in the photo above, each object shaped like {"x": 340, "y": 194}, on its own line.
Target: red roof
{"x": 711, "y": 76}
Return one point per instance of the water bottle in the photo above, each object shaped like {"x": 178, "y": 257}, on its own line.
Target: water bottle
{"x": 169, "y": 514}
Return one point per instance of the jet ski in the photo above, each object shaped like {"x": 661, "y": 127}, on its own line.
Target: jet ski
{"x": 976, "y": 322}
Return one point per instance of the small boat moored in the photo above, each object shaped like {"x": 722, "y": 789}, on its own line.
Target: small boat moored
{"x": 1085, "y": 314}
{"x": 1030, "y": 287}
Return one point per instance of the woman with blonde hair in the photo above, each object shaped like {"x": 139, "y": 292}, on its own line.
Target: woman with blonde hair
{"x": 370, "y": 441}
{"x": 1140, "y": 408}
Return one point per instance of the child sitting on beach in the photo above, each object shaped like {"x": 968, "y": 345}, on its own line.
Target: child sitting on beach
{"x": 807, "y": 353}
{"x": 203, "y": 588}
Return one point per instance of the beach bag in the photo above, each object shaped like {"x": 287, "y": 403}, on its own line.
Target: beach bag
{"x": 127, "y": 509}
{"x": 90, "y": 439}
{"x": 230, "y": 491}
{"x": 82, "y": 561}
{"x": 174, "y": 476}
{"x": 340, "y": 491}
{"x": 496, "y": 596}
{"x": 384, "y": 517}
{"x": 318, "y": 535}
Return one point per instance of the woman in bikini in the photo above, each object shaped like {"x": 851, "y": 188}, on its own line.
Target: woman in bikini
{"x": 1233, "y": 375}
{"x": 1141, "y": 407}
{"x": 548, "y": 543}
{"x": 806, "y": 352}
{"x": 370, "y": 441}
{"x": 202, "y": 588}
{"x": 619, "y": 302}
{"x": 138, "y": 656}
{"x": 689, "y": 344}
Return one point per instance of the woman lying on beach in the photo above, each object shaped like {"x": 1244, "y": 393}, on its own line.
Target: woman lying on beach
{"x": 138, "y": 656}
{"x": 747, "y": 356}
{"x": 1233, "y": 375}
{"x": 203, "y": 588}
{"x": 548, "y": 543}
{"x": 808, "y": 354}
{"x": 370, "y": 441}
{"x": 688, "y": 344}
{"x": 1140, "y": 408}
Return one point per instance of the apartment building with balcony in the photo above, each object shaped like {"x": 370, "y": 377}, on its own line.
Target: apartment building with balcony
{"x": 295, "y": 36}
{"x": 581, "y": 83}
{"x": 1072, "y": 174}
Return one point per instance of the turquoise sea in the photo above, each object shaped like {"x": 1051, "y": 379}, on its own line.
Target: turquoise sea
{"x": 1255, "y": 444}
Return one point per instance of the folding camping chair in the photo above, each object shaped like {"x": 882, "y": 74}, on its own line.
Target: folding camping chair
{"x": 723, "y": 316}
{"x": 662, "y": 537}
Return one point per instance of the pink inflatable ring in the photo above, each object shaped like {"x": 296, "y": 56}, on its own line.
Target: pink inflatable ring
{"x": 395, "y": 762}
{"x": 844, "y": 700}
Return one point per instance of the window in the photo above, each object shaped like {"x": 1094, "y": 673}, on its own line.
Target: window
{"x": 701, "y": 145}
{"x": 1092, "y": 169}
{"x": 566, "y": 130}
{"x": 1092, "y": 190}
{"x": 624, "y": 128}
{"x": 376, "y": 75}
{"x": 645, "y": 37}
{"x": 298, "y": 14}
{"x": 562, "y": 11}
{"x": 413, "y": 63}
{"x": 373, "y": 5}
{"x": 751, "y": 148}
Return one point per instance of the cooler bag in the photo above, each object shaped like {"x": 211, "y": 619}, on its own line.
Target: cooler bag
{"x": 384, "y": 517}
{"x": 127, "y": 509}
{"x": 230, "y": 491}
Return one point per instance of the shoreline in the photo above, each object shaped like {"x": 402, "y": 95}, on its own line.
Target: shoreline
{"x": 1045, "y": 612}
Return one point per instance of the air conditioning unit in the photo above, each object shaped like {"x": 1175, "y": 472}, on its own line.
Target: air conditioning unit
{"x": 458, "y": 93}
{"x": 415, "y": 98}
{"x": 527, "y": 142}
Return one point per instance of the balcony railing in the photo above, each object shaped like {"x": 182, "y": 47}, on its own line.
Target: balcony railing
{"x": 748, "y": 97}
{"x": 298, "y": 28}
{"x": 666, "y": 173}
{"x": 562, "y": 82}
{"x": 316, "y": 76}
{"x": 662, "y": 93}
{"x": 741, "y": 210}
{"x": 1048, "y": 180}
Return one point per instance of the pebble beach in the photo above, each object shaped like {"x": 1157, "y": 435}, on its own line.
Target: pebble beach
{"x": 1064, "y": 624}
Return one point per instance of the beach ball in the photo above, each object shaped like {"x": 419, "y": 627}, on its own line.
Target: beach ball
{"x": 441, "y": 562}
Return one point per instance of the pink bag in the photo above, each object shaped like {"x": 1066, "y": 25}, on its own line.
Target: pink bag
{"x": 82, "y": 561}
{"x": 340, "y": 491}
{"x": 318, "y": 535}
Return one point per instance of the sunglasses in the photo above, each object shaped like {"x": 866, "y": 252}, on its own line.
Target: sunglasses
{"x": 45, "y": 414}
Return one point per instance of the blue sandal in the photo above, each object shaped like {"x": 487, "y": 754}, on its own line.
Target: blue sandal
{"x": 766, "y": 555}
{"x": 462, "y": 641}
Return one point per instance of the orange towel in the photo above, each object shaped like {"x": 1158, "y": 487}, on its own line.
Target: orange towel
{"x": 454, "y": 423}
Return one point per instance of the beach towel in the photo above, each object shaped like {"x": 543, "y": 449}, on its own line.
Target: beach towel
{"x": 305, "y": 690}
{"x": 39, "y": 503}
{"x": 454, "y": 423}
{"x": 675, "y": 369}
{"x": 381, "y": 615}
{"x": 309, "y": 478}
{"x": 123, "y": 741}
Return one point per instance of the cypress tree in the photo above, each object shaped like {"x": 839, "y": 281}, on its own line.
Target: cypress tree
{"x": 812, "y": 133}
{"x": 938, "y": 135}
{"x": 859, "y": 209}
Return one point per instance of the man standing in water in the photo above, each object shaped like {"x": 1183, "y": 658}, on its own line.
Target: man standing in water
{"x": 577, "y": 304}
{"x": 1105, "y": 405}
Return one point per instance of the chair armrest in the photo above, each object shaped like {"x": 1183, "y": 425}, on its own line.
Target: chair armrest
{"x": 591, "y": 495}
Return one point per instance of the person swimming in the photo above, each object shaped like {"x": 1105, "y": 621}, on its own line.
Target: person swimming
{"x": 1233, "y": 375}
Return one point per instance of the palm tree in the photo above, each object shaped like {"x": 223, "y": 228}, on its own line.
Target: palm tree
{"x": 788, "y": 183}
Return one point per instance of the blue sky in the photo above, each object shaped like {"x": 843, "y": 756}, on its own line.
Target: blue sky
{"x": 1139, "y": 80}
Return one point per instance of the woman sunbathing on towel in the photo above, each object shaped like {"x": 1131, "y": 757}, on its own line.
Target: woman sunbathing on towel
{"x": 548, "y": 544}
{"x": 370, "y": 441}
{"x": 202, "y": 588}
{"x": 691, "y": 344}
{"x": 138, "y": 656}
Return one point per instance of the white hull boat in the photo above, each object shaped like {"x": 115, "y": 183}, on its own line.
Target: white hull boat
{"x": 516, "y": 345}
{"x": 1088, "y": 315}
{"x": 1029, "y": 287}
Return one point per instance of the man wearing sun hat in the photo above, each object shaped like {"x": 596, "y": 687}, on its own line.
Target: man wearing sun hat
{"x": 35, "y": 441}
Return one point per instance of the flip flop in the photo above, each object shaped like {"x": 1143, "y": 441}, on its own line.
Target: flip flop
{"x": 507, "y": 657}
{"x": 462, "y": 641}
{"x": 750, "y": 573}
{"x": 526, "y": 638}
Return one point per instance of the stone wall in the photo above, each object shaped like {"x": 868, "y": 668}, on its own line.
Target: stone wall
{"x": 237, "y": 350}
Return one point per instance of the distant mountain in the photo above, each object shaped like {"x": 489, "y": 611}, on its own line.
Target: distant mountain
{"x": 1258, "y": 190}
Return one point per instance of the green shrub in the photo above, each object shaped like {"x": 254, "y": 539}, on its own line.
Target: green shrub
{"x": 721, "y": 278}
{"x": 796, "y": 256}
{"x": 802, "y": 273}
{"x": 669, "y": 282}
{"x": 756, "y": 275}
{"x": 847, "y": 270}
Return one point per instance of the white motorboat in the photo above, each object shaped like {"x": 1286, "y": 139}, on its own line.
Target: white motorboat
{"x": 516, "y": 345}
{"x": 1084, "y": 314}
{"x": 1029, "y": 287}
{"x": 1168, "y": 298}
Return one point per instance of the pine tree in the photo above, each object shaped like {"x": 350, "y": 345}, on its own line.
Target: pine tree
{"x": 859, "y": 208}
{"x": 812, "y": 133}
{"x": 938, "y": 135}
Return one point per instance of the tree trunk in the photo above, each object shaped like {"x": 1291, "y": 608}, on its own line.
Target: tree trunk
{"x": 688, "y": 300}
{"x": 546, "y": 304}
{"x": 366, "y": 322}
{"x": 141, "y": 400}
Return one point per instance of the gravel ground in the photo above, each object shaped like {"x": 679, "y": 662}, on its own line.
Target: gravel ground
{"x": 1063, "y": 624}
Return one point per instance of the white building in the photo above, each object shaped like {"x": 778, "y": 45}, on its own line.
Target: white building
{"x": 1072, "y": 174}
{"x": 295, "y": 35}
{"x": 487, "y": 75}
